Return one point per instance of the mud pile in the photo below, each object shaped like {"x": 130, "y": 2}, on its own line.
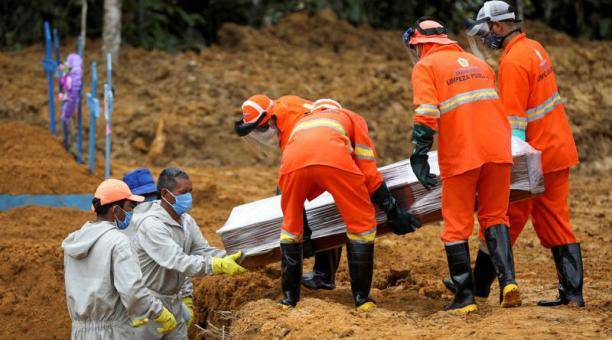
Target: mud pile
{"x": 181, "y": 107}
{"x": 33, "y": 162}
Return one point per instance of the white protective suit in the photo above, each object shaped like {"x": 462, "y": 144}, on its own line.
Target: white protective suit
{"x": 104, "y": 287}
{"x": 169, "y": 253}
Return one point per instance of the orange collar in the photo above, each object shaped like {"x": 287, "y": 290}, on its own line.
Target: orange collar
{"x": 513, "y": 42}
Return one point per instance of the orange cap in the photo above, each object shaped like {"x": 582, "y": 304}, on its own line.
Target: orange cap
{"x": 114, "y": 190}
{"x": 325, "y": 103}
{"x": 255, "y": 106}
{"x": 419, "y": 38}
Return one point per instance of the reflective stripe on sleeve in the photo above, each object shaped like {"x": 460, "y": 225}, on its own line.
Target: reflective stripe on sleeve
{"x": 467, "y": 97}
{"x": 541, "y": 110}
{"x": 518, "y": 123}
{"x": 428, "y": 110}
{"x": 364, "y": 152}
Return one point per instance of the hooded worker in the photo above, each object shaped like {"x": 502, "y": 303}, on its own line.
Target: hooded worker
{"x": 531, "y": 100}
{"x": 141, "y": 182}
{"x": 287, "y": 110}
{"x": 170, "y": 247}
{"x": 455, "y": 96}
{"x": 328, "y": 149}
{"x": 104, "y": 287}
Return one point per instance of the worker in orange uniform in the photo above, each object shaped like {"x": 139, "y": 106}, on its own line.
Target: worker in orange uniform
{"x": 528, "y": 90}
{"x": 327, "y": 149}
{"x": 455, "y": 95}
{"x": 288, "y": 110}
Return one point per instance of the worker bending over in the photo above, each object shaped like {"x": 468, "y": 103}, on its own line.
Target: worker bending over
{"x": 531, "y": 100}
{"x": 104, "y": 287}
{"x": 170, "y": 247}
{"x": 328, "y": 149}
{"x": 288, "y": 110}
{"x": 455, "y": 95}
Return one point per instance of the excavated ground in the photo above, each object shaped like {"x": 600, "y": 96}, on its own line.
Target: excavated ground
{"x": 179, "y": 110}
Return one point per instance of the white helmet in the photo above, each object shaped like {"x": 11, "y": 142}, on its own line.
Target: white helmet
{"x": 491, "y": 11}
{"x": 325, "y": 103}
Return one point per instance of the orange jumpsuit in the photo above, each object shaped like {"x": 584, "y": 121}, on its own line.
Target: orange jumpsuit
{"x": 330, "y": 151}
{"x": 528, "y": 90}
{"x": 454, "y": 93}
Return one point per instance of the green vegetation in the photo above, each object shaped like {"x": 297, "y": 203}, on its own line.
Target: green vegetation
{"x": 188, "y": 24}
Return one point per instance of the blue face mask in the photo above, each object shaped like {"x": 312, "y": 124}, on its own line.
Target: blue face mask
{"x": 182, "y": 204}
{"x": 123, "y": 224}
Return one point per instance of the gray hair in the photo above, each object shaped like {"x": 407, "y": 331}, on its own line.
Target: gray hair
{"x": 167, "y": 178}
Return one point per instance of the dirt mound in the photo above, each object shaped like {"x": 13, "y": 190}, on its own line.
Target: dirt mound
{"x": 33, "y": 162}
{"x": 32, "y": 296}
{"x": 181, "y": 107}
{"x": 406, "y": 277}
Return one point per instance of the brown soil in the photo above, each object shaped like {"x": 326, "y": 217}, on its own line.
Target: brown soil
{"x": 178, "y": 109}
{"x": 181, "y": 107}
{"x": 33, "y": 162}
{"x": 406, "y": 279}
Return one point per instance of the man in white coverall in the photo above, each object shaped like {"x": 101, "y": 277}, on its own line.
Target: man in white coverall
{"x": 104, "y": 288}
{"x": 170, "y": 247}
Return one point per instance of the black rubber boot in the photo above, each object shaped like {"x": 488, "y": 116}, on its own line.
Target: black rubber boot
{"x": 484, "y": 275}
{"x": 458, "y": 257}
{"x": 323, "y": 275}
{"x": 568, "y": 260}
{"x": 291, "y": 272}
{"x": 361, "y": 268}
{"x": 500, "y": 251}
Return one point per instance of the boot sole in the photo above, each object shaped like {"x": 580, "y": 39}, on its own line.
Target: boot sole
{"x": 512, "y": 296}
{"x": 366, "y": 307}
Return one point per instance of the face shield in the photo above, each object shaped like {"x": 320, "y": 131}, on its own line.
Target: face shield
{"x": 265, "y": 137}
{"x": 261, "y": 137}
{"x": 476, "y": 30}
{"x": 413, "y": 53}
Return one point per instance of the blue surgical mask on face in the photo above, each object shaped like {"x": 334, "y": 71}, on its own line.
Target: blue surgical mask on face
{"x": 123, "y": 224}
{"x": 182, "y": 204}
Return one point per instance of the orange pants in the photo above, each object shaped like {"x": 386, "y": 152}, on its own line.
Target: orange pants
{"x": 492, "y": 184}
{"x": 549, "y": 213}
{"x": 349, "y": 192}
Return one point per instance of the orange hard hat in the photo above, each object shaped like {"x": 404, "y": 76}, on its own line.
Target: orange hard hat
{"x": 325, "y": 103}
{"x": 427, "y": 30}
{"x": 254, "y": 107}
{"x": 114, "y": 190}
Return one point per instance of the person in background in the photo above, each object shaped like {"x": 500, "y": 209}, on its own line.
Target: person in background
{"x": 104, "y": 288}
{"x": 170, "y": 247}
{"x": 528, "y": 90}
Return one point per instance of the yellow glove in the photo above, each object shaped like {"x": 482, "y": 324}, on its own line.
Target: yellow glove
{"x": 138, "y": 323}
{"x": 227, "y": 265}
{"x": 167, "y": 322}
{"x": 188, "y": 304}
